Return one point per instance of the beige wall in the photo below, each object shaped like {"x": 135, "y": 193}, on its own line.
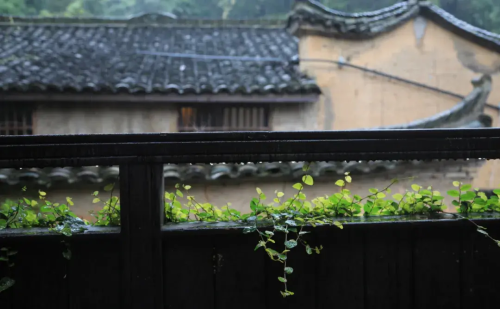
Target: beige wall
{"x": 441, "y": 59}
{"x": 354, "y": 99}
{"x": 294, "y": 117}
{"x": 77, "y": 118}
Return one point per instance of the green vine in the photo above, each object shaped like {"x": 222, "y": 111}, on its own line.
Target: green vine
{"x": 286, "y": 215}
{"x": 290, "y": 215}
{"x": 29, "y": 213}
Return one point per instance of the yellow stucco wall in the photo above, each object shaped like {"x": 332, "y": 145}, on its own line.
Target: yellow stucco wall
{"x": 355, "y": 99}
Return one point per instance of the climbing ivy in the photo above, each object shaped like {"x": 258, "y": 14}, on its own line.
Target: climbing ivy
{"x": 290, "y": 215}
{"x": 29, "y": 213}
{"x": 267, "y": 218}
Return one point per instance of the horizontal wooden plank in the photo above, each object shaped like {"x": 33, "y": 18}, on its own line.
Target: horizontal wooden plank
{"x": 78, "y": 150}
{"x": 214, "y": 228}
{"x": 91, "y": 231}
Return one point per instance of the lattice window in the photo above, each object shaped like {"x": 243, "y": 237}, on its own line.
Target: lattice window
{"x": 16, "y": 120}
{"x": 224, "y": 118}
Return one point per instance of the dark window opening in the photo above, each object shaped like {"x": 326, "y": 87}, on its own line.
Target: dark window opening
{"x": 224, "y": 118}
{"x": 16, "y": 120}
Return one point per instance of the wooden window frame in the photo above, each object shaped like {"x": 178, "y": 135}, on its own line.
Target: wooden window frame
{"x": 224, "y": 117}
{"x": 17, "y": 119}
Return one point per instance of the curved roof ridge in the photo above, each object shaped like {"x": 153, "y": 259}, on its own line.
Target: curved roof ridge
{"x": 374, "y": 13}
{"x": 460, "y": 23}
{"x": 314, "y": 17}
{"x": 468, "y": 112}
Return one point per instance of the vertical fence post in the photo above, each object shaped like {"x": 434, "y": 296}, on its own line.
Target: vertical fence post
{"x": 142, "y": 215}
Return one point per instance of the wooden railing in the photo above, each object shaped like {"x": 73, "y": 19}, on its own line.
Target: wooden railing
{"x": 145, "y": 264}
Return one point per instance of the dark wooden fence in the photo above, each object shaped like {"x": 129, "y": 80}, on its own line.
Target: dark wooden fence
{"x": 420, "y": 263}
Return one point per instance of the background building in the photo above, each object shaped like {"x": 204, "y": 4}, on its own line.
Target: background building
{"x": 409, "y": 65}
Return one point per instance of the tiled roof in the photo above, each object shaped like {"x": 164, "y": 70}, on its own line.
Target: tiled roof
{"x": 309, "y": 15}
{"x": 195, "y": 173}
{"x": 469, "y": 113}
{"x": 56, "y": 55}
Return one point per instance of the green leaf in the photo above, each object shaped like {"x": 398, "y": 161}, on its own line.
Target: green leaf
{"x": 291, "y": 222}
{"x": 482, "y": 231}
{"x": 380, "y": 195}
{"x": 398, "y": 197}
{"x": 468, "y": 196}
{"x": 249, "y": 230}
{"x": 253, "y": 204}
{"x": 308, "y": 180}
{"x": 425, "y": 192}
{"x": 179, "y": 193}
{"x": 95, "y": 193}
{"x": 3, "y": 224}
{"x": 33, "y": 203}
{"x": 187, "y": 187}
{"x": 70, "y": 201}
{"x": 30, "y": 217}
{"x": 496, "y": 191}
{"x": 280, "y": 194}
{"x": 259, "y": 191}
{"x": 281, "y": 279}
{"x": 415, "y": 187}
{"x": 298, "y": 186}
{"x": 282, "y": 256}
{"x": 42, "y": 193}
{"x": 456, "y": 184}
{"x": 305, "y": 167}
{"x": 6, "y": 283}
{"x": 260, "y": 244}
{"x": 96, "y": 200}
{"x": 453, "y": 193}
{"x": 340, "y": 183}
{"x": 373, "y": 190}
{"x": 291, "y": 244}
{"x": 46, "y": 209}
{"x": 308, "y": 249}
{"x": 288, "y": 270}
{"x": 465, "y": 187}
{"x": 109, "y": 187}
{"x": 348, "y": 179}
{"x": 338, "y": 224}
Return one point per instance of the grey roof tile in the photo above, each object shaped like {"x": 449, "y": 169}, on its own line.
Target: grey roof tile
{"x": 196, "y": 173}
{"x": 38, "y": 55}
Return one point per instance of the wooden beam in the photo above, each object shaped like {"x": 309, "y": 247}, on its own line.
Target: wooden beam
{"x": 142, "y": 217}
{"x": 158, "y": 98}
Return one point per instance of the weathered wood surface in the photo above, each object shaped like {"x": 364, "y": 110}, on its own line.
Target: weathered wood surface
{"x": 437, "y": 264}
{"x": 78, "y": 150}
